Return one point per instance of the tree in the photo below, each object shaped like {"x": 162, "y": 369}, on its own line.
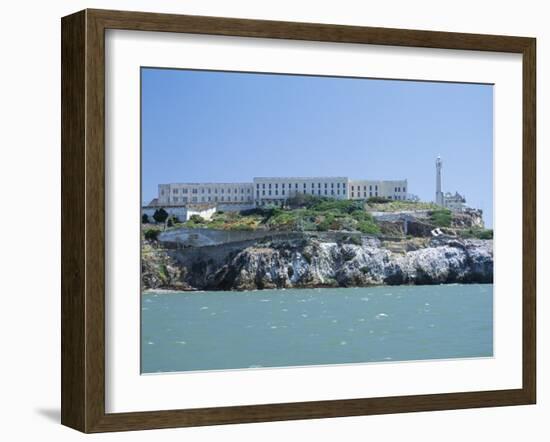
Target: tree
{"x": 151, "y": 234}
{"x": 160, "y": 215}
{"x": 144, "y": 218}
{"x": 197, "y": 219}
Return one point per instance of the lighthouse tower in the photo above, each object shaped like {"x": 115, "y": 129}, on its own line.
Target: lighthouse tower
{"x": 438, "y": 193}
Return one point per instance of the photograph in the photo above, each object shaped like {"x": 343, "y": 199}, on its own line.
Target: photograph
{"x": 293, "y": 220}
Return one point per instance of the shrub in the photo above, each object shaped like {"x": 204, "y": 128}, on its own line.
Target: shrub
{"x": 369, "y": 227}
{"x": 151, "y": 234}
{"x": 169, "y": 222}
{"x": 160, "y": 215}
{"x": 378, "y": 199}
{"x": 326, "y": 223}
{"x": 341, "y": 206}
{"x": 300, "y": 200}
{"x": 477, "y": 233}
{"x": 441, "y": 217}
{"x": 197, "y": 219}
{"x": 144, "y": 218}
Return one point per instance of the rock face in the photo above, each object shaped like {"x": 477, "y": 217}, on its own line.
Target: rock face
{"x": 313, "y": 262}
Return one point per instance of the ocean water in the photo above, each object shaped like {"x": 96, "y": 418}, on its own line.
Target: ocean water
{"x": 184, "y": 331}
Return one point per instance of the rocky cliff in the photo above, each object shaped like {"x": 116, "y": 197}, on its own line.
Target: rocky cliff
{"x": 313, "y": 261}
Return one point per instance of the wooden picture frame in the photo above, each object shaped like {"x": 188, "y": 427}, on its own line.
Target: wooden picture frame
{"x": 83, "y": 220}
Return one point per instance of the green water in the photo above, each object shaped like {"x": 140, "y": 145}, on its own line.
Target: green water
{"x": 184, "y": 331}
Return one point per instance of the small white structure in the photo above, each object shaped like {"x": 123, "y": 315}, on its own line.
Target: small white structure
{"x": 456, "y": 202}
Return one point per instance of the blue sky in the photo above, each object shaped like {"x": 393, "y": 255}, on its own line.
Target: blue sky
{"x": 224, "y": 127}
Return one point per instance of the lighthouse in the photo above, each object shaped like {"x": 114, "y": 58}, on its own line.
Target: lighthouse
{"x": 438, "y": 193}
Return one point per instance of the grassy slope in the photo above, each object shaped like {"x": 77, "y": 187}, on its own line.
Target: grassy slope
{"x": 320, "y": 214}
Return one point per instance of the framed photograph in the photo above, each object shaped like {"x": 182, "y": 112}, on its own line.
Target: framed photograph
{"x": 270, "y": 220}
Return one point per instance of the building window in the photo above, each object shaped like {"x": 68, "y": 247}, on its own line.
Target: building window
{"x": 276, "y": 192}
{"x": 338, "y": 185}
{"x": 352, "y": 194}
{"x": 283, "y": 192}
{"x": 209, "y": 199}
{"x": 332, "y": 185}
{"x": 404, "y": 189}
{"x": 223, "y": 199}
{"x": 352, "y": 188}
{"x": 325, "y": 191}
{"x": 202, "y": 190}
{"x": 269, "y": 185}
{"x": 176, "y": 199}
{"x": 202, "y": 198}
{"x": 296, "y": 186}
{"x": 276, "y": 185}
{"x": 370, "y": 193}
{"x": 257, "y": 186}
{"x": 263, "y": 185}
{"x": 332, "y": 192}
{"x": 269, "y": 193}
{"x": 194, "y": 199}
{"x": 263, "y": 192}
{"x": 216, "y": 198}
{"x": 174, "y": 191}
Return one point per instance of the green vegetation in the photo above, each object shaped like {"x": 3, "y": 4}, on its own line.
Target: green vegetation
{"x": 197, "y": 219}
{"x": 477, "y": 233}
{"x": 144, "y": 218}
{"x": 309, "y": 213}
{"x": 160, "y": 215}
{"x": 441, "y": 217}
{"x": 395, "y": 206}
{"x": 378, "y": 200}
{"x": 151, "y": 234}
{"x": 304, "y": 213}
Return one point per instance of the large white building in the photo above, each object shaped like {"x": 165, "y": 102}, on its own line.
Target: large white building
{"x": 275, "y": 190}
